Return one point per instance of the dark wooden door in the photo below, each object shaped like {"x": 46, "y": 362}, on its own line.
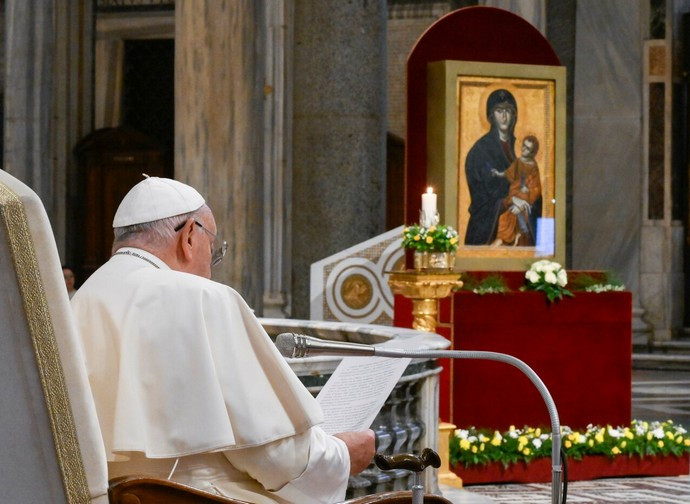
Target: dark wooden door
{"x": 110, "y": 162}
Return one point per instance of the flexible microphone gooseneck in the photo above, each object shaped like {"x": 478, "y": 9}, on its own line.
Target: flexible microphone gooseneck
{"x": 292, "y": 345}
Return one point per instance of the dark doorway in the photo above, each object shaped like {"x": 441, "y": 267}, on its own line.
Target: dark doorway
{"x": 148, "y": 94}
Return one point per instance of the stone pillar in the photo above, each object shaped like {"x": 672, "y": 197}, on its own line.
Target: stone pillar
{"x": 338, "y": 192}
{"x": 608, "y": 140}
{"x": 533, "y": 11}
{"x": 47, "y": 104}
{"x": 29, "y": 36}
{"x": 277, "y": 158}
{"x": 72, "y": 115}
{"x": 219, "y": 77}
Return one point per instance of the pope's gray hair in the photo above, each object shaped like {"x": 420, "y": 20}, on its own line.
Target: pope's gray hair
{"x": 155, "y": 233}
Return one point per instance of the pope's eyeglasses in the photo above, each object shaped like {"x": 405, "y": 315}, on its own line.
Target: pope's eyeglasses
{"x": 217, "y": 253}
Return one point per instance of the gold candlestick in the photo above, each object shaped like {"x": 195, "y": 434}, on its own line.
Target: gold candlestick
{"x": 425, "y": 288}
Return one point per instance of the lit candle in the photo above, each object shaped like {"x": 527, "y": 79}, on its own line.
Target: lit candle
{"x": 428, "y": 207}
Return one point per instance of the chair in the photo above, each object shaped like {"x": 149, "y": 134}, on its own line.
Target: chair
{"x": 52, "y": 449}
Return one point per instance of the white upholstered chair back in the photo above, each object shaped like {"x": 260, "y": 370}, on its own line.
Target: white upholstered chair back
{"x": 50, "y": 443}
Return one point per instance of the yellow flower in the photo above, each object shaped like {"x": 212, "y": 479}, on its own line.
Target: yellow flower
{"x": 522, "y": 440}
{"x": 520, "y": 447}
{"x": 481, "y": 447}
{"x": 483, "y": 438}
{"x": 568, "y": 444}
{"x": 537, "y": 432}
{"x": 660, "y": 444}
{"x": 417, "y": 237}
{"x": 624, "y": 444}
{"x": 453, "y": 241}
{"x": 432, "y": 229}
{"x": 629, "y": 434}
{"x": 649, "y": 436}
{"x": 679, "y": 439}
{"x": 686, "y": 442}
{"x": 406, "y": 230}
{"x": 464, "y": 444}
{"x": 599, "y": 438}
{"x": 590, "y": 442}
{"x": 495, "y": 442}
{"x": 615, "y": 450}
{"x": 669, "y": 434}
{"x": 429, "y": 239}
{"x": 474, "y": 449}
{"x": 526, "y": 451}
{"x": 511, "y": 428}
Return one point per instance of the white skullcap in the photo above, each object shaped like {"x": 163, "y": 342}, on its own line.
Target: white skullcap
{"x": 156, "y": 198}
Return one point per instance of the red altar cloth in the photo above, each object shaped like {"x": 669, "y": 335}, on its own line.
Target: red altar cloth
{"x": 580, "y": 347}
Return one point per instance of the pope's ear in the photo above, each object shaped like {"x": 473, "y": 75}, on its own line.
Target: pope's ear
{"x": 184, "y": 239}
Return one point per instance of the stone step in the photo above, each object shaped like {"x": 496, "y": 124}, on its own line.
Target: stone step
{"x": 673, "y": 346}
{"x": 661, "y": 361}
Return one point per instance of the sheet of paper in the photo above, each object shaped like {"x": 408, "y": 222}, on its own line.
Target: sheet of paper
{"x": 356, "y": 391}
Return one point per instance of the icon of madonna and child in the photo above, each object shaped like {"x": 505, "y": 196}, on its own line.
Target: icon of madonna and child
{"x": 504, "y": 188}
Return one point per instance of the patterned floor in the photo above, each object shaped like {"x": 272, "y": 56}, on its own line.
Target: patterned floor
{"x": 656, "y": 395}
{"x": 627, "y": 490}
{"x": 659, "y": 395}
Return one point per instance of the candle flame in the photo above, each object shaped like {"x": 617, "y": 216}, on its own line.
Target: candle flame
{"x": 429, "y": 190}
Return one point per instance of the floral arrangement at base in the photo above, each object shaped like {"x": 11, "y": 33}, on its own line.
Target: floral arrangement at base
{"x": 548, "y": 277}
{"x": 440, "y": 238}
{"x": 472, "y": 446}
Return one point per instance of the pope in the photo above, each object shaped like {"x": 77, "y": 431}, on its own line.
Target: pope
{"x": 187, "y": 384}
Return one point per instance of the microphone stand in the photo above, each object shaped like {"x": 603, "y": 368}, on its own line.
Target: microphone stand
{"x": 556, "y": 463}
{"x": 295, "y": 345}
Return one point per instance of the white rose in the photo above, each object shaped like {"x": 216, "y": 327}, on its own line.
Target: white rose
{"x": 532, "y": 276}
{"x": 550, "y": 277}
{"x": 536, "y": 443}
{"x": 539, "y": 266}
{"x": 562, "y": 278}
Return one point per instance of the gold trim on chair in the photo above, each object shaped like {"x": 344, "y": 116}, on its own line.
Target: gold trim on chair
{"x": 14, "y": 219}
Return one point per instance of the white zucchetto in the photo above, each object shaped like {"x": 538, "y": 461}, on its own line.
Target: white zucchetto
{"x": 156, "y": 198}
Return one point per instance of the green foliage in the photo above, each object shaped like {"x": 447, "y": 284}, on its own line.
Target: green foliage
{"x": 482, "y": 446}
{"x": 589, "y": 283}
{"x": 439, "y": 238}
{"x": 491, "y": 284}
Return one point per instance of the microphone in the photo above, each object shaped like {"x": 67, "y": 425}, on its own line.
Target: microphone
{"x": 293, "y": 346}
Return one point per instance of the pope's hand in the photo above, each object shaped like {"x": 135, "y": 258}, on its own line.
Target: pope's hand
{"x": 362, "y": 447}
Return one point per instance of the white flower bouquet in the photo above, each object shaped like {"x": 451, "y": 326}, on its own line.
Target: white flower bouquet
{"x": 548, "y": 277}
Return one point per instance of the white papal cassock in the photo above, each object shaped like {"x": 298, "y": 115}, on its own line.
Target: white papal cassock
{"x": 183, "y": 375}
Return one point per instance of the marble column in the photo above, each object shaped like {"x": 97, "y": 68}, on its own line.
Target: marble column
{"x": 29, "y": 44}
{"x": 608, "y": 140}
{"x": 72, "y": 115}
{"x": 219, "y": 78}
{"x": 277, "y": 158}
{"x": 338, "y": 191}
{"x": 47, "y": 102}
{"x": 533, "y": 11}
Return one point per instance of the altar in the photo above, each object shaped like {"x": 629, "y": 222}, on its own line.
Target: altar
{"x": 581, "y": 348}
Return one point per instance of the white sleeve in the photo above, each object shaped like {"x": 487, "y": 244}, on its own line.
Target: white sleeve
{"x": 311, "y": 467}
